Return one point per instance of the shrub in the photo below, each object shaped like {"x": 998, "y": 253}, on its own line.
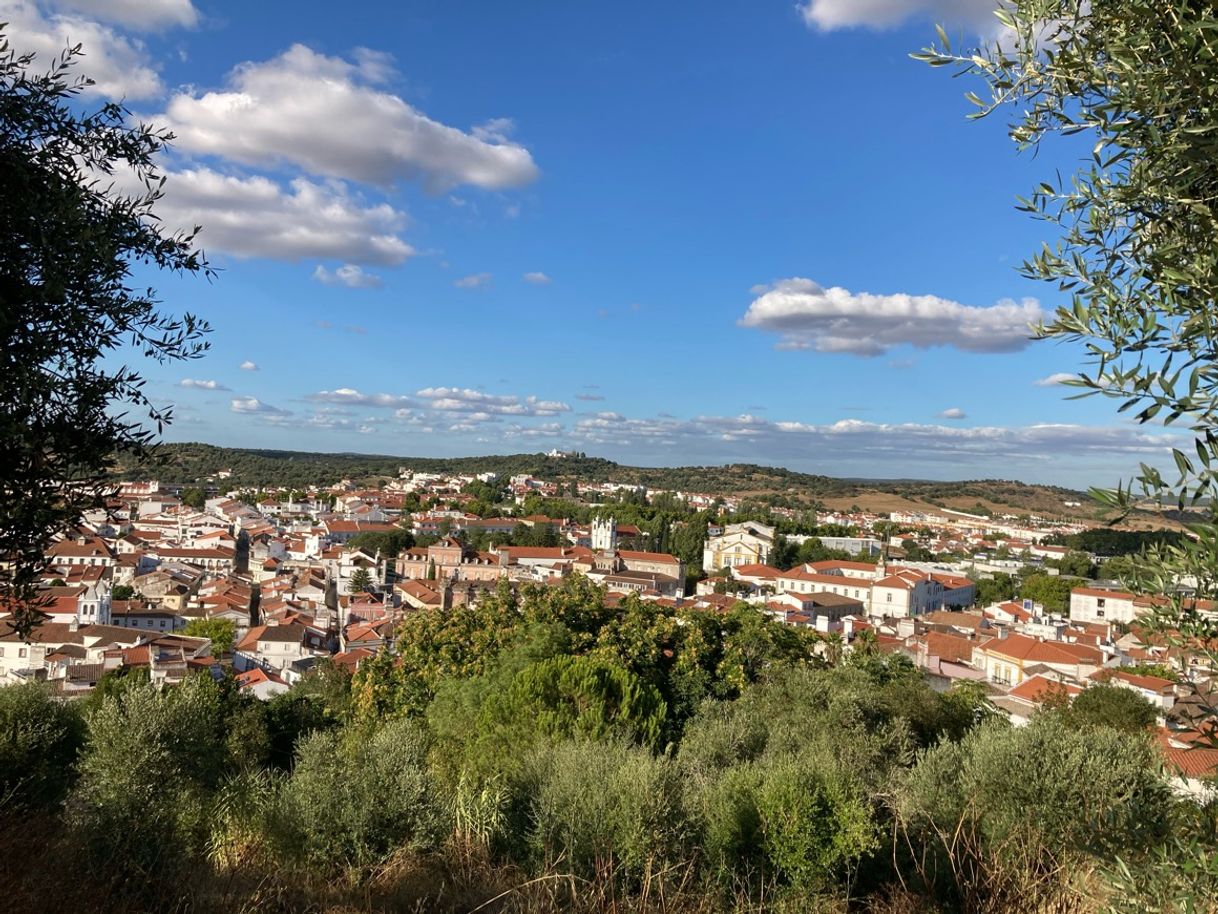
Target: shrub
{"x": 1013, "y": 810}
{"x": 352, "y": 799}
{"x": 607, "y": 808}
{"x": 39, "y": 740}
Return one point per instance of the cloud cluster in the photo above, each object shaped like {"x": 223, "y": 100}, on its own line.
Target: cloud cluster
{"x": 954, "y": 412}
{"x": 894, "y": 444}
{"x": 117, "y": 64}
{"x": 838, "y": 14}
{"x": 325, "y": 115}
{"x": 457, "y": 399}
{"x": 198, "y": 384}
{"x": 350, "y": 275}
{"x": 254, "y": 407}
{"x": 352, "y": 397}
{"x": 809, "y": 316}
{"x": 537, "y": 278}
{"x": 249, "y": 365}
{"x": 142, "y": 15}
{"x": 257, "y": 217}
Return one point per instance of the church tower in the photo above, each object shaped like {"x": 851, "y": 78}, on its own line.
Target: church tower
{"x": 604, "y": 535}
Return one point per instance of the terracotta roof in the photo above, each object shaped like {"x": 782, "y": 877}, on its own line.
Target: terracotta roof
{"x": 1147, "y": 683}
{"x": 953, "y": 648}
{"x": 1021, "y": 647}
{"x": 1038, "y": 689}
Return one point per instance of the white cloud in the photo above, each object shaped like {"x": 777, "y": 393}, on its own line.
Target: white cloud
{"x": 895, "y": 446}
{"x": 198, "y": 384}
{"x": 456, "y": 399}
{"x": 321, "y": 114}
{"x": 366, "y": 430}
{"x": 351, "y": 396}
{"x": 954, "y": 412}
{"x": 838, "y": 14}
{"x": 247, "y": 365}
{"x": 117, "y": 64}
{"x": 254, "y": 406}
{"x": 1053, "y": 380}
{"x": 537, "y": 278}
{"x": 142, "y": 15}
{"x": 474, "y": 281}
{"x": 256, "y": 217}
{"x": 590, "y": 398}
{"x": 350, "y": 275}
{"x": 809, "y": 316}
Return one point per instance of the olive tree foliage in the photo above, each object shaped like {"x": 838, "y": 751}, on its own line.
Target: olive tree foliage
{"x": 1136, "y": 252}
{"x": 72, "y": 233}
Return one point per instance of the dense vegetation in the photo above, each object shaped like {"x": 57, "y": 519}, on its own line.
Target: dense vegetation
{"x": 543, "y": 752}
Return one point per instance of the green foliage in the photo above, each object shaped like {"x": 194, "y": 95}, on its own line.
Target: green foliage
{"x": 122, "y": 592}
{"x": 351, "y": 801}
{"x": 1034, "y": 798}
{"x": 194, "y": 498}
{"x": 1114, "y": 706}
{"x": 606, "y": 805}
{"x": 1137, "y": 222}
{"x": 1076, "y": 564}
{"x": 996, "y": 588}
{"x": 71, "y": 323}
{"x": 1050, "y": 590}
{"x": 222, "y": 632}
{"x": 814, "y": 823}
{"x": 388, "y": 543}
{"x": 152, "y": 758}
{"x": 361, "y": 581}
{"x": 39, "y": 740}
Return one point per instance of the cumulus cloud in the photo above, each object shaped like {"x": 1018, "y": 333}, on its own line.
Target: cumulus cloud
{"x": 353, "y": 397}
{"x": 954, "y": 412}
{"x": 257, "y": 217}
{"x": 473, "y": 281}
{"x": 838, "y": 14}
{"x": 350, "y": 275}
{"x": 198, "y": 384}
{"x": 324, "y": 114}
{"x": 1053, "y": 380}
{"x": 117, "y": 64}
{"x": 808, "y": 316}
{"x": 247, "y": 365}
{"x": 457, "y": 399}
{"x": 537, "y": 278}
{"x": 143, "y": 15}
{"x": 255, "y": 407}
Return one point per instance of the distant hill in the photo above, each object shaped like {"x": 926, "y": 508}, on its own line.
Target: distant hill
{"x": 195, "y": 462}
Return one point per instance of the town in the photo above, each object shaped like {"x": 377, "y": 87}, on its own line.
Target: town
{"x": 172, "y": 579}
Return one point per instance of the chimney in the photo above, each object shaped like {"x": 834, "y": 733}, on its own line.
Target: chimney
{"x": 1002, "y": 632}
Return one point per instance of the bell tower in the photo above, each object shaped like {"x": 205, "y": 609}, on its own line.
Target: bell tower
{"x": 604, "y": 535}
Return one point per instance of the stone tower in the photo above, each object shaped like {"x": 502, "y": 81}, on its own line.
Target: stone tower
{"x": 604, "y": 535}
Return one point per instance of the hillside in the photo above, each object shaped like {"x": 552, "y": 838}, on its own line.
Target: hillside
{"x": 195, "y": 462}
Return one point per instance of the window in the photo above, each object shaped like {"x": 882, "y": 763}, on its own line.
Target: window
{"x": 1100, "y": 603}
{"x": 21, "y": 652}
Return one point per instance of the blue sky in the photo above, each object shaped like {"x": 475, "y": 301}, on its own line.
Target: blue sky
{"x": 661, "y": 233}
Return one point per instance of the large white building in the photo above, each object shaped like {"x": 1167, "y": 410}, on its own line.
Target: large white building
{"x": 1088, "y": 604}
{"x": 738, "y": 544}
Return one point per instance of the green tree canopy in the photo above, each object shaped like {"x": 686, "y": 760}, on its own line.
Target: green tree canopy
{"x": 77, "y": 199}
